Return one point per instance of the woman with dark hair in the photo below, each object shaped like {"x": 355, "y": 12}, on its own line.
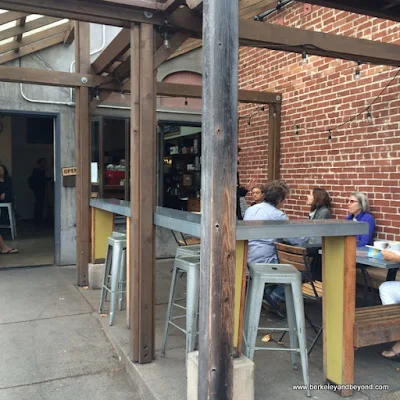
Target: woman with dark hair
{"x": 320, "y": 204}
{"x": 5, "y": 186}
{"x": 257, "y": 193}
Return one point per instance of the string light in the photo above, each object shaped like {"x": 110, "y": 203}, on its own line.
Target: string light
{"x": 357, "y": 73}
{"x": 304, "y": 58}
{"x": 297, "y": 130}
{"x": 330, "y": 136}
{"x": 250, "y": 115}
{"x": 369, "y": 116}
{"x": 186, "y": 101}
{"x": 122, "y": 95}
{"x": 166, "y": 40}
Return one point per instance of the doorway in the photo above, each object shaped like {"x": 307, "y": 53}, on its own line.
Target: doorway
{"x": 27, "y": 151}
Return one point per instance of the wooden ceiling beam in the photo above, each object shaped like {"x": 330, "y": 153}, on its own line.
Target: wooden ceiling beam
{"x": 171, "y": 5}
{"x": 118, "y": 46}
{"x": 258, "y": 34}
{"x": 30, "y": 26}
{"x": 195, "y": 4}
{"x": 26, "y": 40}
{"x": 145, "y": 4}
{"x": 32, "y": 48}
{"x": 162, "y": 53}
{"x": 69, "y": 35}
{"x": 373, "y": 8}
{"x": 85, "y": 10}
{"x": 11, "y": 16}
{"x": 52, "y": 78}
{"x": 18, "y": 38}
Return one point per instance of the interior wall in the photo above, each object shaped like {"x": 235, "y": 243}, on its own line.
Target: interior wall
{"x": 5, "y": 143}
{"x": 24, "y": 157}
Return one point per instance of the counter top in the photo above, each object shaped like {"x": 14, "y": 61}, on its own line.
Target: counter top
{"x": 115, "y": 206}
{"x": 189, "y": 223}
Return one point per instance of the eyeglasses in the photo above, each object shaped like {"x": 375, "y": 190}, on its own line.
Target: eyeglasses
{"x": 352, "y": 201}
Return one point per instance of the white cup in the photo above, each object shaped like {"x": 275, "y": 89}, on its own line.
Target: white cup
{"x": 381, "y": 244}
{"x": 395, "y": 246}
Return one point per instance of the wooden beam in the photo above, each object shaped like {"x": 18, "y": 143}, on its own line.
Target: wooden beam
{"x": 365, "y": 7}
{"x": 70, "y": 34}
{"x": 37, "y": 23}
{"x": 162, "y": 53}
{"x": 253, "y": 33}
{"x": 11, "y": 16}
{"x": 194, "y": 4}
{"x": 34, "y": 37}
{"x": 134, "y": 292}
{"x": 123, "y": 71}
{"x": 21, "y": 23}
{"x": 147, "y": 197}
{"x": 274, "y": 134}
{"x": 83, "y": 187}
{"x": 144, "y": 4}
{"x": 52, "y": 78}
{"x": 118, "y": 46}
{"x": 84, "y": 10}
{"x": 32, "y": 48}
{"x": 218, "y": 202}
{"x": 171, "y": 5}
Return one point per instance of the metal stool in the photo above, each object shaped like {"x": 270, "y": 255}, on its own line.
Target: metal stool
{"x": 188, "y": 251}
{"x": 190, "y": 265}
{"x": 289, "y": 276}
{"x": 11, "y": 217}
{"x": 114, "y": 273}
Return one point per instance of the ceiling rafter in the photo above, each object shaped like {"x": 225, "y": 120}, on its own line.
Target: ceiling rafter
{"x": 26, "y": 40}
{"x": 69, "y": 35}
{"x": 37, "y": 23}
{"x": 11, "y": 16}
{"x": 18, "y": 38}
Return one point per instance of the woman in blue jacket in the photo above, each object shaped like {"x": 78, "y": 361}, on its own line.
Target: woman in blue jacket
{"x": 359, "y": 211}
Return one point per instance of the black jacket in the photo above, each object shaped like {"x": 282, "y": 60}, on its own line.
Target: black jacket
{"x": 241, "y": 192}
{"x": 6, "y": 188}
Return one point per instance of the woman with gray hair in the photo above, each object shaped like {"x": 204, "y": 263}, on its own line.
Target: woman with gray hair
{"x": 359, "y": 211}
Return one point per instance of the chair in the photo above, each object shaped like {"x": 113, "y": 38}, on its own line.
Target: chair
{"x": 311, "y": 289}
{"x": 11, "y": 218}
{"x": 262, "y": 274}
{"x": 183, "y": 240}
{"x": 114, "y": 281}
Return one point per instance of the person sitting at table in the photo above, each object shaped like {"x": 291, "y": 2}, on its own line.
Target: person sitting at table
{"x": 257, "y": 193}
{"x": 263, "y": 250}
{"x": 359, "y": 211}
{"x": 389, "y": 293}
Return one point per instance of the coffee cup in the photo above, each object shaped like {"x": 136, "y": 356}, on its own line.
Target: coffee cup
{"x": 394, "y": 246}
{"x": 381, "y": 244}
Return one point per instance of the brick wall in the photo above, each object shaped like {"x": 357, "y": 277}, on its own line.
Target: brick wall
{"x": 362, "y": 155}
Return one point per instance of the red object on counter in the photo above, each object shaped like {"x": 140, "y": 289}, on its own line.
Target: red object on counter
{"x": 113, "y": 177}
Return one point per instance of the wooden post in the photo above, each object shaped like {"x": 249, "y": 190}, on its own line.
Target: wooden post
{"x": 143, "y": 193}
{"x": 274, "y": 142}
{"x": 218, "y": 203}
{"x": 134, "y": 242}
{"x": 82, "y": 132}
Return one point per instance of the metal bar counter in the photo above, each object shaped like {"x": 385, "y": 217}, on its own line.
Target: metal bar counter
{"x": 187, "y": 222}
{"x": 114, "y": 206}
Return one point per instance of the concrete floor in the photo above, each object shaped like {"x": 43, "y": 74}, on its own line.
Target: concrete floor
{"x": 165, "y": 378}
{"x": 53, "y": 347}
{"x": 36, "y": 247}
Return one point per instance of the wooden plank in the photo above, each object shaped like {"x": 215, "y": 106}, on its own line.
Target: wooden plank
{"x": 218, "y": 203}
{"x": 70, "y": 34}
{"x": 123, "y": 71}
{"x": 253, "y": 33}
{"x": 171, "y": 5}
{"x": 11, "y": 16}
{"x": 21, "y": 23}
{"x": 134, "y": 242}
{"x": 84, "y": 10}
{"x": 147, "y": 199}
{"x": 145, "y": 4}
{"x": 163, "y": 54}
{"x": 195, "y": 4}
{"x": 34, "y": 37}
{"x": 118, "y": 46}
{"x": 30, "y": 26}
{"x": 82, "y": 57}
{"x": 32, "y": 48}
{"x": 51, "y": 78}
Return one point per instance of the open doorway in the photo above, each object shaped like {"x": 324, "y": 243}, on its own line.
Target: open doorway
{"x": 27, "y": 152}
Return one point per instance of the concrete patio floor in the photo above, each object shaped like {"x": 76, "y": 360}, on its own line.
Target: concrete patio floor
{"x": 165, "y": 378}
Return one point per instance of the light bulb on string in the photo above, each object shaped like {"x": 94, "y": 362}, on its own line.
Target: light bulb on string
{"x": 330, "y": 136}
{"x": 122, "y": 95}
{"x": 369, "y": 116}
{"x": 297, "y": 130}
{"x": 304, "y": 58}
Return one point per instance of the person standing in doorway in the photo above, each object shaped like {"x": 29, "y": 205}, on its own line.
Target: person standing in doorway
{"x": 37, "y": 183}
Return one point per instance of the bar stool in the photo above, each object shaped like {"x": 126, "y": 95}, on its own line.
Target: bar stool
{"x": 11, "y": 218}
{"x": 114, "y": 273}
{"x": 192, "y": 250}
{"x": 289, "y": 276}
{"x": 190, "y": 265}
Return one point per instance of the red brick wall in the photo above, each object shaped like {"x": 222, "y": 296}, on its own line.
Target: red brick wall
{"x": 362, "y": 155}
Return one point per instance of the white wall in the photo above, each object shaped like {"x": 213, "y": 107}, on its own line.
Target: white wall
{"x": 24, "y": 157}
